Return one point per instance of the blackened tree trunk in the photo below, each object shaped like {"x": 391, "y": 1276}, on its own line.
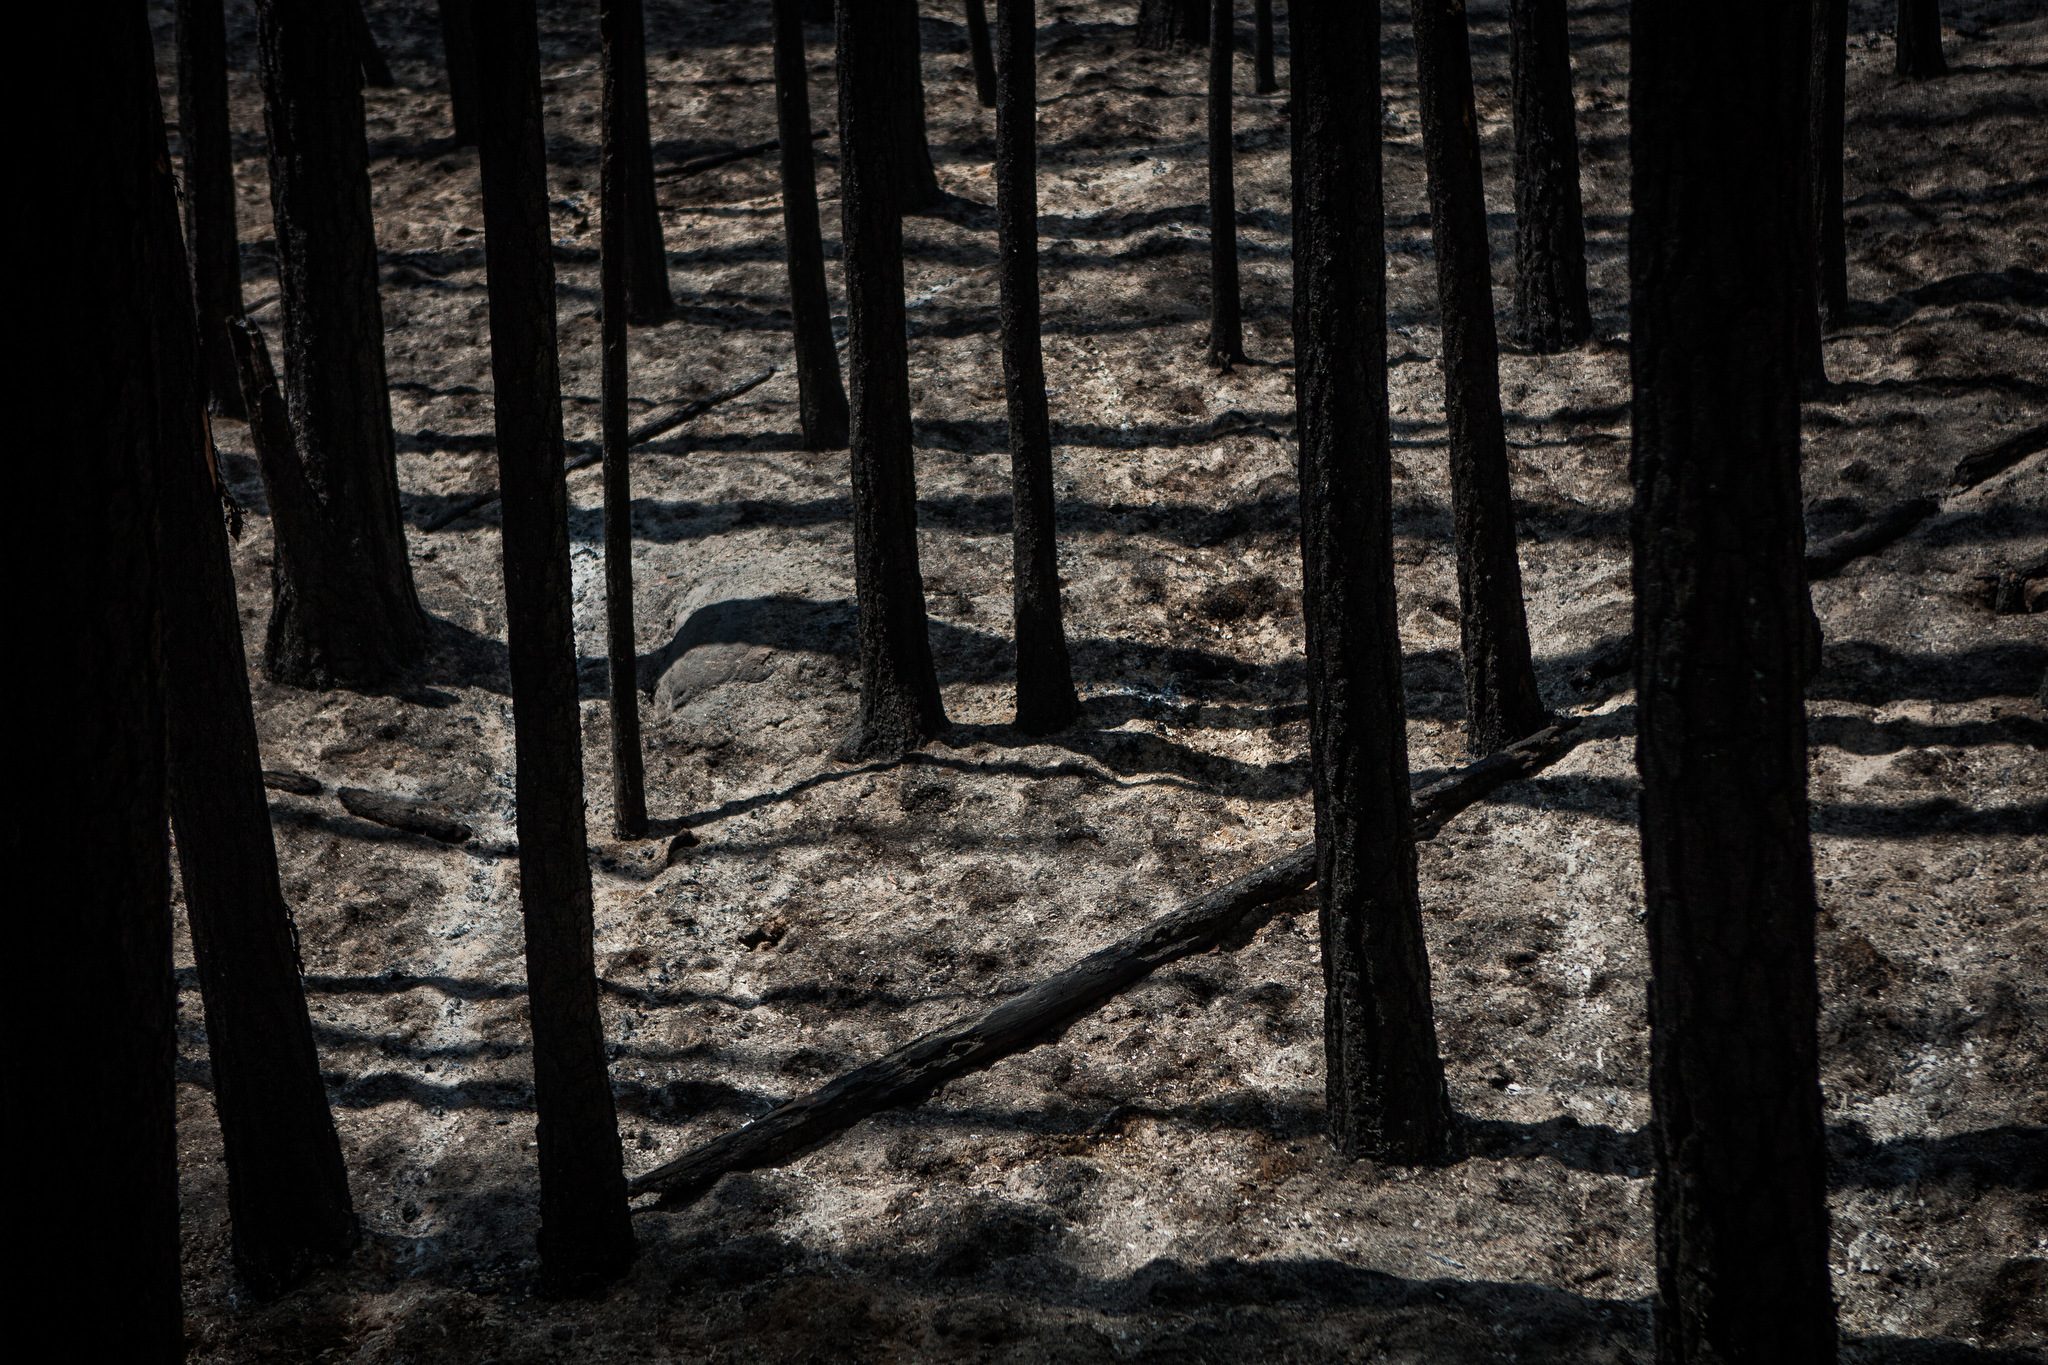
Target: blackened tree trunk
{"x": 907, "y": 154}
{"x": 615, "y": 165}
{"x": 984, "y": 59}
{"x": 899, "y": 690}
{"x": 1046, "y": 700}
{"x": 821, "y": 397}
{"x": 1551, "y": 313}
{"x": 356, "y": 619}
{"x": 458, "y": 45}
{"x": 1721, "y": 617}
{"x": 1226, "y": 317}
{"x": 1263, "y": 79}
{"x": 209, "y": 157}
{"x": 93, "y": 1114}
{"x": 288, "y": 1197}
{"x": 1824, "y": 116}
{"x": 1385, "y": 1080}
{"x": 376, "y": 71}
{"x": 1919, "y": 29}
{"x": 1501, "y": 700}
{"x": 585, "y": 1236}
{"x": 1168, "y": 24}
{"x": 623, "y": 35}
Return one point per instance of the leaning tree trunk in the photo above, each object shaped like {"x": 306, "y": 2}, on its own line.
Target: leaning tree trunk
{"x": 1551, "y": 313}
{"x": 1919, "y": 29}
{"x": 1263, "y": 80}
{"x": 624, "y": 40}
{"x": 1226, "y": 316}
{"x": 1046, "y": 700}
{"x": 209, "y": 157}
{"x": 1501, "y": 700}
{"x": 1824, "y": 115}
{"x": 1385, "y": 1080}
{"x": 906, "y": 152}
{"x": 984, "y": 59}
{"x": 585, "y": 1236}
{"x": 91, "y": 1010}
{"x": 458, "y": 44}
{"x": 358, "y": 619}
{"x": 821, "y": 397}
{"x": 1721, "y": 619}
{"x": 376, "y": 72}
{"x": 899, "y": 691}
{"x": 1168, "y": 24}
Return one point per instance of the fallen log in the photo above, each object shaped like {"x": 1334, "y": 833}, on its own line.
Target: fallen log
{"x": 402, "y": 813}
{"x": 716, "y": 159}
{"x": 911, "y": 1073}
{"x": 1974, "y": 468}
{"x": 291, "y": 780}
{"x": 1832, "y": 555}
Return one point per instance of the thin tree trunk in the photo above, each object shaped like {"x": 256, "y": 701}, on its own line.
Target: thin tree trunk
{"x": 458, "y": 44}
{"x": 1551, "y": 312}
{"x": 1721, "y": 618}
{"x": 984, "y": 60}
{"x": 358, "y": 620}
{"x": 821, "y": 397}
{"x": 615, "y": 165}
{"x": 585, "y": 1237}
{"x": 623, "y": 30}
{"x": 88, "y": 1085}
{"x": 1167, "y": 24}
{"x": 899, "y": 691}
{"x": 906, "y": 151}
{"x": 1501, "y": 700}
{"x": 1046, "y": 700}
{"x": 1919, "y": 30}
{"x": 1263, "y": 79}
{"x": 1226, "y": 318}
{"x": 209, "y": 157}
{"x": 376, "y": 71}
{"x": 1385, "y": 1080}
{"x": 1824, "y": 105}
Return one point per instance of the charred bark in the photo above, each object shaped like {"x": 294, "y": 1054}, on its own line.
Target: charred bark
{"x": 899, "y": 690}
{"x": 906, "y": 153}
{"x": 1169, "y": 24}
{"x": 458, "y": 45}
{"x": 208, "y": 154}
{"x": 1919, "y": 30}
{"x": 622, "y": 30}
{"x": 370, "y": 58}
{"x": 1385, "y": 1080}
{"x": 984, "y": 58}
{"x": 1226, "y": 316}
{"x": 1716, "y": 249}
{"x": 1046, "y": 700}
{"x": 585, "y": 1236}
{"x": 357, "y": 620}
{"x": 1825, "y": 82}
{"x": 821, "y": 396}
{"x": 1551, "y": 312}
{"x": 1264, "y": 81}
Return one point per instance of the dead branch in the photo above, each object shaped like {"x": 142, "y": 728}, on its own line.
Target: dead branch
{"x": 716, "y": 159}
{"x": 400, "y": 813}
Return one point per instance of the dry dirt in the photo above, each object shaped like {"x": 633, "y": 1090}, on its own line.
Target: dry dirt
{"x": 1153, "y": 1186}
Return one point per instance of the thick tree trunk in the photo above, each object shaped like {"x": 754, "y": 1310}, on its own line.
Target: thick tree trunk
{"x": 1046, "y": 700}
{"x": 1168, "y": 24}
{"x": 88, "y": 1086}
{"x": 1824, "y": 116}
{"x": 1919, "y": 30}
{"x": 375, "y": 70}
{"x": 1263, "y": 79}
{"x": 1501, "y": 700}
{"x": 357, "y": 620}
{"x": 1385, "y": 1080}
{"x": 1721, "y": 617}
{"x": 208, "y": 154}
{"x": 899, "y": 691}
{"x": 907, "y": 155}
{"x": 458, "y": 45}
{"x": 1551, "y": 313}
{"x": 821, "y": 397}
{"x": 1226, "y": 317}
{"x": 585, "y": 1237}
{"x": 984, "y": 59}
{"x": 623, "y": 31}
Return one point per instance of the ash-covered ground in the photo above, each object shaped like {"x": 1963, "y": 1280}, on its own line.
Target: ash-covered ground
{"x": 1153, "y": 1185}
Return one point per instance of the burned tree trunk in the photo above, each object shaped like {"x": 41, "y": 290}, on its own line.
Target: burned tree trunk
{"x": 1551, "y": 313}
{"x": 1385, "y": 1080}
{"x": 1264, "y": 81}
{"x": 1501, "y": 700}
{"x": 899, "y": 691}
{"x": 1046, "y": 700}
{"x": 357, "y": 620}
{"x": 458, "y": 45}
{"x": 585, "y": 1237}
{"x": 1226, "y": 318}
{"x": 1919, "y": 30}
{"x": 375, "y": 70}
{"x": 906, "y": 153}
{"x": 821, "y": 397}
{"x": 209, "y": 160}
{"x": 623, "y": 35}
{"x": 1167, "y": 24}
{"x": 1721, "y": 618}
{"x": 984, "y": 59}
{"x": 1824, "y": 118}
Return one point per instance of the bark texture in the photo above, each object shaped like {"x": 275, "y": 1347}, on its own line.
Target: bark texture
{"x": 1919, "y": 30}
{"x": 1386, "y": 1083}
{"x": 207, "y": 150}
{"x": 369, "y": 57}
{"x": 622, "y": 29}
{"x": 899, "y": 690}
{"x": 907, "y": 155}
{"x": 345, "y": 612}
{"x": 1226, "y": 317}
{"x": 1046, "y": 700}
{"x": 1168, "y": 24}
{"x": 1715, "y": 253}
{"x": 821, "y": 397}
{"x": 984, "y": 58}
{"x": 1263, "y": 79}
{"x": 1825, "y": 92}
{"x": 458, "y": 46}
{"x": 1501, "y": 699}
{"x": 585, "y": 1237}
{"x": 1551, "y": 312}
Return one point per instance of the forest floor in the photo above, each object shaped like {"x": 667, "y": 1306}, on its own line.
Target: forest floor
{"x": 1154, "y": 1185}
